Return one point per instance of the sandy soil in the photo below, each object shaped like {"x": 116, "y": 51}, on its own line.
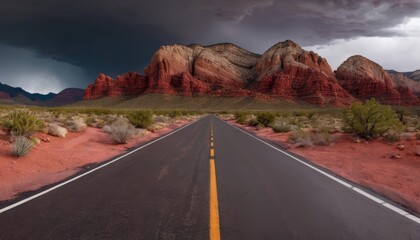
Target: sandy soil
{"x": 50, "y": 162}
{"x": 371, "y": 164}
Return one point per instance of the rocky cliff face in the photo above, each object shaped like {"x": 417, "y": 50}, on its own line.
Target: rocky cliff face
{"x": 401, "y": 80}
{"x": 365, "y": 79}
{"x": 284, "y": 71}
{"x": 413, "y": 75}
{"x": 288, "y": 71}
{"x": 197, "y": 70}
{"x": 127, "y": 84}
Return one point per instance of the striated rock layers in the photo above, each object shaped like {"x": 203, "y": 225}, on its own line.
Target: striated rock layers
{"x": 365, "y": 79}
{"x": 288, "y": 71}
{"x": 284, "y": 71}
{"x": 127, "y": 84}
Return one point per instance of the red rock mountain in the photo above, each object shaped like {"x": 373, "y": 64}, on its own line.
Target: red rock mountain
{"x": 365, "y": 79}
{"x": 288, "y": 71}
{"x": 413, "y": 75}
{"x": 284, "y": 71}
{"x": 400, "y": 79}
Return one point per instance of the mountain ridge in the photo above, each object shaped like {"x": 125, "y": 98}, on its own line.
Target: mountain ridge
{"x": 285, "y": 71}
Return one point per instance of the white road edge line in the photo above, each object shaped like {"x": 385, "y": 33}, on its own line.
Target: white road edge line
{"x": 358, "y": 190}
{"x": 91, "y": 171}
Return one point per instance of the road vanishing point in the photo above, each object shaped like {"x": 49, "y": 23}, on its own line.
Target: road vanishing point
{"x": 206, "y": 180}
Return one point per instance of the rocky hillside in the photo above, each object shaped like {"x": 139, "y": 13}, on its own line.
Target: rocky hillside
{"x": 413, "y": 75}
{"x": 288, "y": 71}
{"x": 285, "y": 71}
{"x": 401, "y": 79}
{"x": 365, "y": 79}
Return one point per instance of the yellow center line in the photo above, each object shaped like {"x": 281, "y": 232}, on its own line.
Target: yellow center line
{"x": 214, "y": 204}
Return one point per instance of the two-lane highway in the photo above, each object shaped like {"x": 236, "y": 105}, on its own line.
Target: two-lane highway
{"x": 208, "y": 180}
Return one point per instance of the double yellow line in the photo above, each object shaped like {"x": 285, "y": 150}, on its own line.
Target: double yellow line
{"x": 214, "y": 202}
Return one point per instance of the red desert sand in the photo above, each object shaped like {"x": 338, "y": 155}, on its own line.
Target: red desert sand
{"x": 374, "y": 164}
{"x": 51, "y": 162}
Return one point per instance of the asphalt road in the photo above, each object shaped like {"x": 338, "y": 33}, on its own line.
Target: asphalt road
{"x": 162, "y": 191}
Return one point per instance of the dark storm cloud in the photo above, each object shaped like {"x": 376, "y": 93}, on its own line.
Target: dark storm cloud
{"x": 118, "y": 36}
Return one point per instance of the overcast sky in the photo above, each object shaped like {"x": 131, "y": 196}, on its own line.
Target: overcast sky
{"x": 49, "y": 45}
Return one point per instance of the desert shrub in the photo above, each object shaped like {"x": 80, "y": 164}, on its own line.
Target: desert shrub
{"x": 301, "y": 138}
{"x": 157, "y": 126}
{"x": 22, "y": 122}
{"x": 121, "y": 131}
{"x": 392, "y": 136}
{"x": 407, "y": 136}
{"x": 56, "y": 130}
{"x": 370, "y": 119}
{"x": 321, "y": 139}
{"x": 241, "y": 117}
{"x": 310, "y": 115}
{"x": 175, "y": 113}
{"x": 266, "y": 118}
{"x": 299, "y": 113}
{"x": 401, "y": 113}
{"x": 325, "y": 129}
{"x": 260, "y": 126}
{"x": 141, "y": 119}
{"x": 161, "y": 119}
{"x": 21, "y": 146}
{"x": 281, "y": 127}
{"x": 76, "y": 124}
{"x": 253, "y": 122}
{"x": 91, "y": 121}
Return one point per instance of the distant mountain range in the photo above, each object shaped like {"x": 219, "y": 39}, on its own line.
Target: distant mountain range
{"x": 285, "y": 71}
{"x": 17, "y": 95}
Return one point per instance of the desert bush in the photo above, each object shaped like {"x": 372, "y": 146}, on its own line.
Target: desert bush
{"x": 260, "y": 126}
{"x": 56, "y": 130}
{"x": 175, "y": 113}
{"x": 266, "y": 118}
{"x": 325, "y": 129}
{"x": 407, "y": 136}
{"x": 401, "y": 113}
{"x": 21, "y": 146}
{"x": 301, "y": 138}
{"x": 76, "y": 124}
{"x": 281, "y": 127}
{"x": 370, "y": 119}
{"x": 22, "y": 122}
{"x": 253, "y": 122}
{"x": 141, "y": 119}
{"x": 310, "y": 115}
{"x": 321, "y": 139}
{"x": 157, "y": 126}
{"x": 121, "y": 131}
{"x": 392, "y": 136}
{"x": 91, "y": 121}
{"x": 241, "y": 117}
{"x": 161, "y": 119}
